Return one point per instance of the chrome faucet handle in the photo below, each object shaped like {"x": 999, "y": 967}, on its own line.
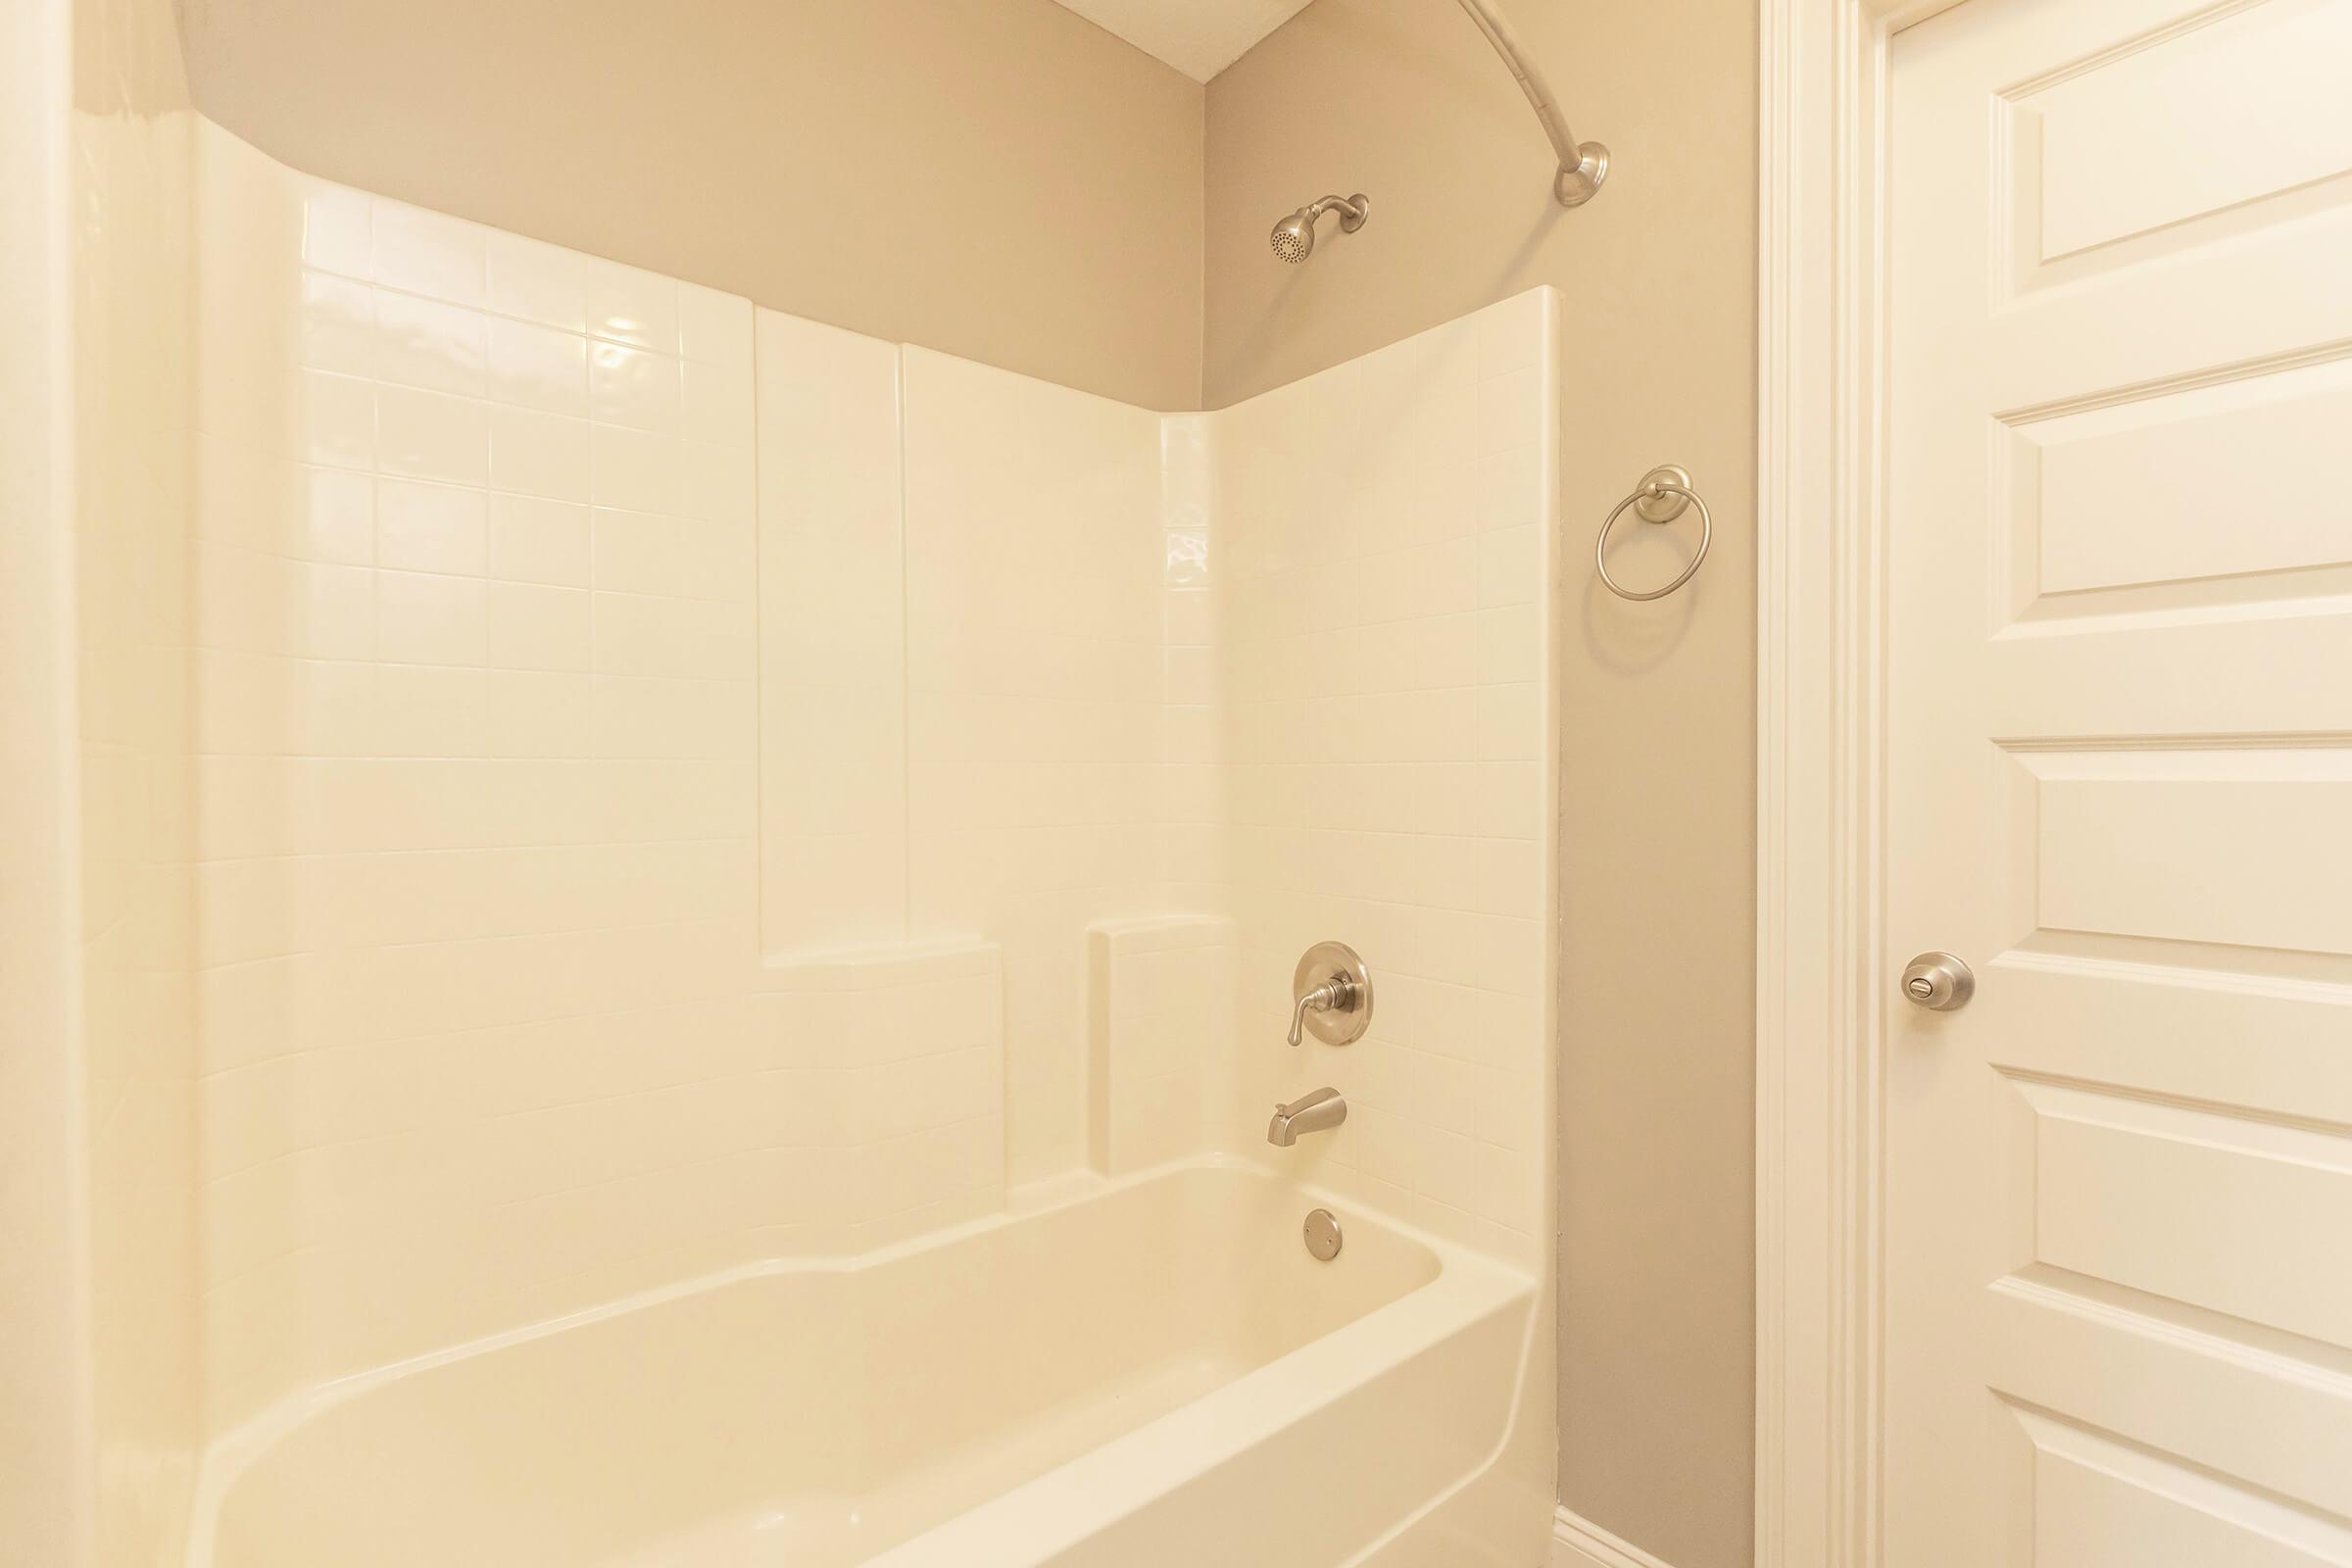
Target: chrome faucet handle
{"x": 1331, "y": 995}
{"x": 1322, "y": 999}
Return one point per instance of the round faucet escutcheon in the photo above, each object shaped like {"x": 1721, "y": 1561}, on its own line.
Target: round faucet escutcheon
{"x": 1331, "y": 994}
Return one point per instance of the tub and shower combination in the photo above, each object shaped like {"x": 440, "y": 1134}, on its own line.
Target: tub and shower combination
{"x": 720, "y": 904}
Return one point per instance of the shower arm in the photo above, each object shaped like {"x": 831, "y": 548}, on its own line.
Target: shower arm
{"x": 1582, "y": 165}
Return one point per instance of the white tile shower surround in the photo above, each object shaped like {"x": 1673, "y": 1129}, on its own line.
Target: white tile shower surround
{"x": 959, "y": 674}
{"x": 484, "y": 1027}
{"x": 565, "y": 705}
{"x": 1383, "y": 603}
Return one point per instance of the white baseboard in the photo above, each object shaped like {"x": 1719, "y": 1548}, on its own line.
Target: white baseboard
{"x": 1578, "y": 1542}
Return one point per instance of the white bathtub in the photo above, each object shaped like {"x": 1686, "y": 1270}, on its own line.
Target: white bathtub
{"x": 1157, "y": 1373}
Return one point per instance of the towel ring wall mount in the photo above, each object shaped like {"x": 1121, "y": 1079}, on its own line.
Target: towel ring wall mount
{"x": 1662, "y": 496}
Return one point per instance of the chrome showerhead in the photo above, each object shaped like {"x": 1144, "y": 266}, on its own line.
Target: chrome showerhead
{"x": 1293, "y": 238}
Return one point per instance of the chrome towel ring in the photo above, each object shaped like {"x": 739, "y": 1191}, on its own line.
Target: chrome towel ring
{"x": 1661, "y": 497}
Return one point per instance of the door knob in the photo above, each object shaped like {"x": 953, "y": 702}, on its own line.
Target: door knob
{"x": 1938, "y": 981}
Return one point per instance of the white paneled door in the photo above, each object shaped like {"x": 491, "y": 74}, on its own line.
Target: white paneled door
{"x": 2119, "y": 719}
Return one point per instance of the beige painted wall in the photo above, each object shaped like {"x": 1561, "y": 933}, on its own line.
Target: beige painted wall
{"x": 994, "y": 179}
{"x": 1402, "y": 100}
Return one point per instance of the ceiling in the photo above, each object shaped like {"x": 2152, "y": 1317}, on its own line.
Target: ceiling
{"x": 1198, "y": 37}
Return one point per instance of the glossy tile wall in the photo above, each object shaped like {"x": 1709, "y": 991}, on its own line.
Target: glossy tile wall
{"x": 1191, "y": 831}
{"x": 887, "y": 1115}
{"x": 960, "y": 606}
{"x": 486, "y": 1030}
{"x": 1385, "y": 591}
{"x": 133, "y": 358}
{"x": 833, "y": 619}
{"x": 1034, "y": 761}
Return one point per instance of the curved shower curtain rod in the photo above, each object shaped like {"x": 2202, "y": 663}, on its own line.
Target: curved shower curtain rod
{"x": 1582, "y": 165}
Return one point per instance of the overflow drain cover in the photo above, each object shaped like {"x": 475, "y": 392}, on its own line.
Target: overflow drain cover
{"x": 1322, "y": 1233}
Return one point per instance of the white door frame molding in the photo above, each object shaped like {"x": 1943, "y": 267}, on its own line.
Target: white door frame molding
{"x": 1819, "y": 740}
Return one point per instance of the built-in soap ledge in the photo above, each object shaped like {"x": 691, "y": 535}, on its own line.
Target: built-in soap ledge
{"x": 879, "y": 965}
{"x": 1160, "y": 1037}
